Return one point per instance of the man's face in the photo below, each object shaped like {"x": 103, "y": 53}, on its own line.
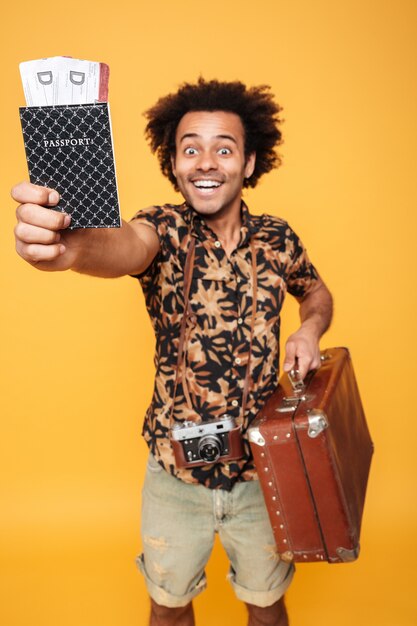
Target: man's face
{"x": 210, "y": 164}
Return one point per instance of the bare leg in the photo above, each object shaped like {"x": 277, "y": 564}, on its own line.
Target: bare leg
{"x": 274, "y": 615}
{"x": 166, "y": 616}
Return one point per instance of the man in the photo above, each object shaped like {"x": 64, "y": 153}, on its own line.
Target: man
{"x": 217, "y": 357}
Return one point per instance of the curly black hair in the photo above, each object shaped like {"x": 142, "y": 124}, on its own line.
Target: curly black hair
{"x": 255, "y": 106}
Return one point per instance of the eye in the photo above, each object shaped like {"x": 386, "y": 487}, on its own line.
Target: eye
{"x": 190, "y": 151}
{"x": 224, "y": 151}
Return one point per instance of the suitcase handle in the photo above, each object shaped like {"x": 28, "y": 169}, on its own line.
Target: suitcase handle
{"x": 297, "y": 383}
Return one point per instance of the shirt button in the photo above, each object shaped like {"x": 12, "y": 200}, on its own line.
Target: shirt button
{"x": 217, "y": 244}
{"x": 237, "y": 360}
{"x": 240, "y": 320}
{"x": 238, "y": 279}
{"x": 235, "y": 403}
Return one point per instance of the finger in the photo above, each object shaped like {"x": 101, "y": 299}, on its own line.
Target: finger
{"x": 35, "y": 253}
{"x": 290, "y": 354}
{"x": 27, "y": 233}
{"x": 304, "y": 365}
{"x": 307, "y": 362}
{"x": 27, "y": 192}
{"x": 40, "y": 216}
{"x": 316, "y": 361}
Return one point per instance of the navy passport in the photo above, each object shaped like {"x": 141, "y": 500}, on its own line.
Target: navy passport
{"x": 69, "y": 148}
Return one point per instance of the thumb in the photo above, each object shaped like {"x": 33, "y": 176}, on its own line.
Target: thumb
{"x": 290, "y": 355}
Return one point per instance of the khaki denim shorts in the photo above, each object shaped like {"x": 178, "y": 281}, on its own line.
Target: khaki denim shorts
{"x": 179, "y": 523}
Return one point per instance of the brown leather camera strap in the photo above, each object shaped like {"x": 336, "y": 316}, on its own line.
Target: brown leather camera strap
{"x": 188, "y": 274}
{"x": 252, "y": 327}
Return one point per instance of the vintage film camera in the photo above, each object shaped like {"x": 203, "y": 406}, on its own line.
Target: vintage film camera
{"x": 200, "y": 443}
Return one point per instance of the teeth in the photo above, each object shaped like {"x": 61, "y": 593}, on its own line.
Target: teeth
{"x": 207, "y": 183}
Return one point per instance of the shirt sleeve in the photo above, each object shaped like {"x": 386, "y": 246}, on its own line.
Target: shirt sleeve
{"x": 155, "y": 217}
{"x": 302, "y": 276}
{"x": 165, "y": 221}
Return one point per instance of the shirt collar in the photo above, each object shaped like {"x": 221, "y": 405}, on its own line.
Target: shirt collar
{"x": 200, "y": 229}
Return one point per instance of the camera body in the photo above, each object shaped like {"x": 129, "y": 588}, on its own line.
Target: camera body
{"x": 201, "y": 443}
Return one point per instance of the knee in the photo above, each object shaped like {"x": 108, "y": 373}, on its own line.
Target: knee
{"x": 168, "y": 613}
{"x": 274, "y": 615}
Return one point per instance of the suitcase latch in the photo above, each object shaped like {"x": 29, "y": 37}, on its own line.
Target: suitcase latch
{"x": 290, "y": 403}
{"x": 317, "y": 422}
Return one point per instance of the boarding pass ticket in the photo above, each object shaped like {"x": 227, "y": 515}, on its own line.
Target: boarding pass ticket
{"x": 64, "y": 80}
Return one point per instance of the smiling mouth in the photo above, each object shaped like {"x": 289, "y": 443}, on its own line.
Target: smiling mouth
{"x": 206, "y": 186}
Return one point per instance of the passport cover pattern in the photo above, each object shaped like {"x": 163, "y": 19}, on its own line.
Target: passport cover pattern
{"x": 69, "y": 148}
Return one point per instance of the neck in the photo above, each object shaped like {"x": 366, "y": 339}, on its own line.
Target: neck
{"x": 226, "y": 226}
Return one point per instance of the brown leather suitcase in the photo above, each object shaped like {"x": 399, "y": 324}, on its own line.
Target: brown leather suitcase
{"x": 313, "y": 451}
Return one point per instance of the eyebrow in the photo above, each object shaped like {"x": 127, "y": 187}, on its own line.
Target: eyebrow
{"x": 194, "y": 135}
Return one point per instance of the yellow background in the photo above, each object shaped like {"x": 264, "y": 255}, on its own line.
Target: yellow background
{"x": 76, "y": 352}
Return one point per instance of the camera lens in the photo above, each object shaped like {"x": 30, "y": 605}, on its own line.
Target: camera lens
{"x": 209, "y": 448}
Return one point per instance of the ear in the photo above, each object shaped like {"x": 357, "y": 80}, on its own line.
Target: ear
{"x": 173, "y": 165}
{"x": 250, "y": 165}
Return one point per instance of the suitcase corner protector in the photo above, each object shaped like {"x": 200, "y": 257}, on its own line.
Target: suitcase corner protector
{"x": 287, "y": 557}
{"x": 347, "y": 556}
{"x": 255, "y": 436}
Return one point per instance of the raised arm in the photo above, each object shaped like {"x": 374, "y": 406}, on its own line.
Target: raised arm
{"x": 42, "y": 239}
{"x": 316, "y": 310}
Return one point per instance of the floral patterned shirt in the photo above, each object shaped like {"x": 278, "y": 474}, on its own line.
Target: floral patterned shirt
{"x": 217, "y": 342}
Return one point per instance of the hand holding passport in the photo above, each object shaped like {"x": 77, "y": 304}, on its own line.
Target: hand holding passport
{"x": 68, "y": 138}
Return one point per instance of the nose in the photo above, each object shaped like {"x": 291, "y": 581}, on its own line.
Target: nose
{"x": 207, "y": 161}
